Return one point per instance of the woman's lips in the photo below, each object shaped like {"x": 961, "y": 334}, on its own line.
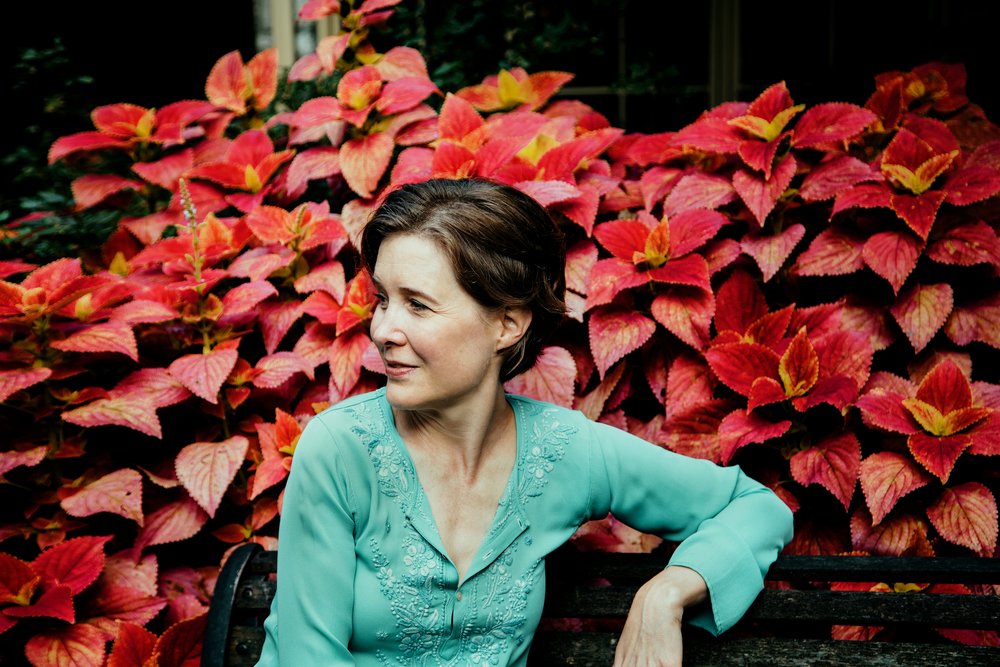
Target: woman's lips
{"x": 397, "y": 370}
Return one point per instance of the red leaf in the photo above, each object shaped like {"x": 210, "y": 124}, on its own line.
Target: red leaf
{"x": 978, "y": 321}
{"x": 592, "y": 405}
{"x": 167, "y": 171}
{"x": 835, "y": 176}
{"x": 609, "y": 277}
{"x": 550, "y": 379}
{"x": 364, "y": 160}
{"x": 623, "y": 238}
{"x": 54, "y": 601}
{"x": 863, "y": 195}
{"x": 580, "y": 260}
{"x": 226, "y": 83}
{"x": 690, "y": 230}
{"x": 946, "y": 388}
{"x": 687, "y": 314}
{"x": 885, "y": 478}
{"x": 691, "y": 270}
{"x": 918, "y": 211}
{"x": 180, "y": 645}
{"x": 770, "y": 252}
{"x": 699, "y": 190}
{"x": 739, "y": 429}
{"x": 75, "y": 563}
{"x": 404, "y": 93}
{"x": 207, "y": 468}
{"x": 133, "y": 647}
{"x": 345, "y": 360}
{"x": 272, "y": 224}
{"x": 966, "y": 245}
{"x": 204, "y": 374}
{"x": 123, "y": 569}
{"x": 834, "y": 252}
{"x": 759, "y": 195}
{"x": 328, "y": 277}
{"x": 119, "y": 492}
{"x": 892, "y": 255}
{"x": 12, "y": 382}
{"x": 938, "y": 454}
{"x": 689, "y": 383}
{"x": 884, "y": 409}
{"x": 738, "y": 303}
{"x": 92, "y": 189}
{"x": 711, "y": 135}
{"x": 831, "y": 122}
{"x": 833, "y": 463}
{"x": 967, "y": 515}
{"x": 921, "y": 311}
{"x": 139, "y": 311}
{"x": 798, "y": 367}
{"x": 246, "y": 296}
{"x": 277, "y": 368}
{"x": 104, "y": 337}
{"x": 80, "y": 645}
{"x": 614, "y": 332}
{"x": 131, "y": 412}
{"x": 83, "y": 141}
{"x": 694, "y": 431}
{"x": 737, "y": 365}
{"x": 972, "y": 184}
{"x": 174, "y": 522}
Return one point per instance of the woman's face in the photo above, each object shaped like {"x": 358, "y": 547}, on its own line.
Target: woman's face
{"x": 439, "y": 344}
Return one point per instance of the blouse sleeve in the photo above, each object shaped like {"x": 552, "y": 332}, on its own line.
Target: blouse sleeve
{"x": 730, "y": 527}
{"x": 311, "y": 617}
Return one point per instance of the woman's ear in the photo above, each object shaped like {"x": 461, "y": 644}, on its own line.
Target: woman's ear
{"x": 514, "y": 324}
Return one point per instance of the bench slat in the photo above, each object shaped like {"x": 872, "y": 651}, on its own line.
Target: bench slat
{"x": 846, "y": 608}
{"x": 598, "y": 649}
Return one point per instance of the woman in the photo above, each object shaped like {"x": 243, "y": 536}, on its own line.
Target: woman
{"x": 417, "y": 517}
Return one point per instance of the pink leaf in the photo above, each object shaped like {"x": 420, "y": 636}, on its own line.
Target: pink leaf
{"x": 550, "y": 379}
{"x": 885, "y": 478}
{"x": 114, "y": 604}
{"x": 862, "y": 195}
{"x": 276, "y": 318}
{"x": 835, "y": 176}
{"x": 363, "y": 161}
{"x": 966, "y": 245}
{"x": 80, "y": 645}
{"x": 131, "y": 412}
{"x": 834, "y": 252}
{"x": 687, "y": 314}
{"x": 153, "y": 385}
{"x": 277, "y": 368}
{"x": 759, "y": 195}
{"x": 174, "y": 522}
{"x": 204, "y": 374}
{"x": 246, "y": 296}
{"x": 689, "y": 383}
{"x": 12, "y": 382}
{"x": 699, "y": 190}
{"x": 312, "y": 164}
{"x": 770, "y": 252}
{"x": 967, "y": 515}
{"x": 345, "y": 360}
{"x": 831, "y": 122}
{"x": 12, "y": 460}
{"x": 918, "y": 211}
{"x": 614, "y": 332}
{"x": 119, "y": 492}
{"x": 104, "y": 337}
{"x": 972, "y": 184}
{"x": 978, "y": 321}
{"x": 921, "y": 311}
{"x": 207, "y": 468}
{"x": 833, "y": 463}
{"x": 690, "y": 230}
{"x": 609, "y": 277}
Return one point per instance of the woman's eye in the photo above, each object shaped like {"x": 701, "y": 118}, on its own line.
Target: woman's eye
{"x": 379, "y": 299}
{"x": 416, "y": 305}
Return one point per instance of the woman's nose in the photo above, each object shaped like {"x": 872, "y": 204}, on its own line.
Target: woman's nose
{"x": 385, "y": 329}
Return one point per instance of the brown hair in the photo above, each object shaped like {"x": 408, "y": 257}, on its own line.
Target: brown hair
{"x": 504, "y": 248}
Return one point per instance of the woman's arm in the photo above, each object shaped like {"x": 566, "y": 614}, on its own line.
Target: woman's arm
{"x": 731, "y": 529}
{"x": 311, "y": 617}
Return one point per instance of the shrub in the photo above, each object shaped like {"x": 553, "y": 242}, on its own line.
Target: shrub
{"x": 810, "y": 293}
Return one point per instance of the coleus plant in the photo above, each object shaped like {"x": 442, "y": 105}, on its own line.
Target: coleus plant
{"x": 811, "y": 293}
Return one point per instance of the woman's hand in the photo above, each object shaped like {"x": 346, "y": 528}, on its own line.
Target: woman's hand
{"x": 652, "y": 634}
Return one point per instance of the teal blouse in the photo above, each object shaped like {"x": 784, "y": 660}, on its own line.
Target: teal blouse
{"x": 363, "y": 578}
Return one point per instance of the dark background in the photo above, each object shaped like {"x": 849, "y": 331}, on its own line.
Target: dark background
{"x": 828, "y": 50}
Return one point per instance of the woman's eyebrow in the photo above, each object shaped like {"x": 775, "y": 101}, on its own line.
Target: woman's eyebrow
{"x": 407, "y": 291}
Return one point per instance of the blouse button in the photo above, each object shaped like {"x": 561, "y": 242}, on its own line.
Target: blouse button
{"x": 458, "y": 595}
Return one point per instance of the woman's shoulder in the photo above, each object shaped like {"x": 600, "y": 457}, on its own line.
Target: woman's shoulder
{"x": 532, "y": 408}
{"x": 344, "y": 424}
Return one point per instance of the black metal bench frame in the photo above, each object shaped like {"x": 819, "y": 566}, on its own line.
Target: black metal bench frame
{"x": 788, "y": 624}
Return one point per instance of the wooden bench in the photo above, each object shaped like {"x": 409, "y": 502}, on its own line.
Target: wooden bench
{"x": 788, "y": 624}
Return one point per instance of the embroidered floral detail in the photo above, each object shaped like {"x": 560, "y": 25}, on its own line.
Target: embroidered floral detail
{"x": 429, "y": 632}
